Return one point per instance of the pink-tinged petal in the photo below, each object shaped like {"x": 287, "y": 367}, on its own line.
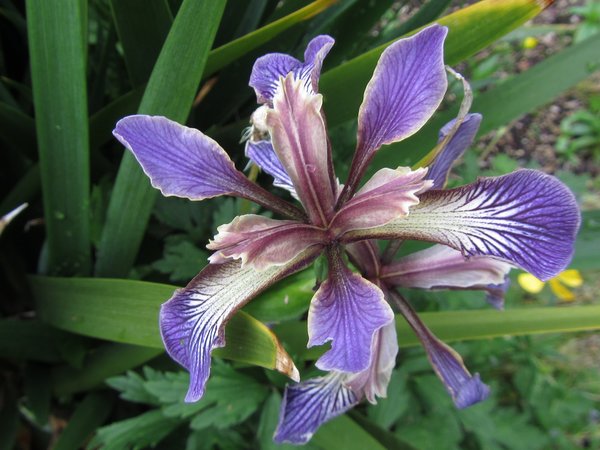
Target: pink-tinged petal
{"x": 454, "y": 148}
{"x": 387, "y": 196}
{"x": 300, "y": 140}
{"x": 442, "y": 267}
{"x": 269, "y": 68}
{"x": 464, "y": 388}
{"x": 527, "y": 218}
{"x": 184, "y": 162}
{"x": 365, "y": 256}
{"x": 261, "y": 242}
{"x": 263, "y": 155}
{"x": 407, "y": 87}
{"x": 192, "y": 322}
{"x": 346, "y": 310}
{"x": 308, "y": 405}
{"x": 373, "y": 382}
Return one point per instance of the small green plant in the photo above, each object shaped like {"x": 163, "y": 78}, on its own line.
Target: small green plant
{"x": 580, "y": 132}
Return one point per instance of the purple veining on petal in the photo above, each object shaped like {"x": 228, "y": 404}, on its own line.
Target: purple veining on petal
{"x": 442, "y": 267}
{"x": 527, "y": 218}
{"x": 373, "y": 382}
{"x": 407, "y": 87}
{"x": 263, "y": 155}
{"x": 179, "y": 161}
{"x": 454, "y": 149}
{"x": 261, "y": 242}
{"x": 300, "y": 141}
{"x": 387, "y": 196}
{"x": 269, "y": 68}
{"x": 192, "y": 322}
{"x": 306, "y": 406}
{"x": 346, "y": 310}
{"x": 464, "y": 388}
{"x": 365, "y": 256}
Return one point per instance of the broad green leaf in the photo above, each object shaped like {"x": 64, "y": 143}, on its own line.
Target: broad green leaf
{"x": 520, "y": 94}
{"x": 88, "y": 416}
{"x": 170, "y": 92}
{"x": 142, "y": 27}
{"x": 58, "y": 73}
{"x": 470, "y": 30}
{"x": 127, "y": 311}
{"x": 226, "y": 54}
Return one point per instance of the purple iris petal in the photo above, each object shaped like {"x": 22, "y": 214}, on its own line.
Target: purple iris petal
{"x": 180, "y": 161}
{"x": 465, "y": 389}
{"x": 454, "y": 149}
{"x": 300, "y": 140}
{"x": 192, "y": 322}
{"x": 346, "y": 310}
{"x": 407, "y": 87}
{"x": 442, "y": 267}
{"x": 261, "y": 242}
{"x": 527, "y": 218}
{"x": 365, "y": 256}
{"x": 263, "y": 155}
{"x": 184, "y": 162}
{"x": 388, "y": 195}
{"x": 306, "y": 406}
{"x": 268, "y": 69}
{"x": 373, "y": 382}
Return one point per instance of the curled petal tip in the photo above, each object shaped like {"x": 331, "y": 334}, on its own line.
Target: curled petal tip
{"x": 471, "y": 393}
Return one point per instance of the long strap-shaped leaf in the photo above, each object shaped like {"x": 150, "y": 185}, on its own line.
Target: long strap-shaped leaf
{"x": 470, "y": 30}
{"x": 125, "y": 311}
{"x": 170, "y": 92}
{"x": 56, "y": 45}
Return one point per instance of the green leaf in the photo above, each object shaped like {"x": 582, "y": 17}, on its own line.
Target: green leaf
{"x": 470, "y": 29}
{"x": 18, "y": 130}
{"x": 170, "y": 92}
{"x": 88, "y": 415}
{"x": 142, "y": 27}
{"x": 9, "y": 417}
{"x": 343, "y": 432}
{"x": 58, "y": 73}
{"x": 182, "y": 260}
{"x": 103, "y": 362}
{"x": 143, "y": 431}
{"x": 126, "y": 311}
{"x": 269, "y": 417}
{"x": 38, "y": 391}
{"x": 132, "y": 386}
{"x": 588, "y": 242}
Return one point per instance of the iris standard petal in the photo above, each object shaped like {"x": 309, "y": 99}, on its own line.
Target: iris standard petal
{"x": 346, "y": 310}
{"x": 263, "y": 155}
{"x": 442, "y": 267}
{"x": 527, "y": 218}
{"x": 373, "y": 382}
{"x": 454, "y": 148}
{"x": 464, "y": 388}
{"x": 387, "y": 196}
{"x": 192, "y": 322}
{"x": 299, "y": 137}
{"x": 261, "y": 242}
{"x": 306, "y": 406}
{"x": 269, "y": 68}
{"x": 184, "y": 162}
{"x": 407, "y": 87}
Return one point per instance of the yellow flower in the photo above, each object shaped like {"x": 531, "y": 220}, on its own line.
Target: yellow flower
{"x": 559, "y": 284}
{"x": 530, "y": 42}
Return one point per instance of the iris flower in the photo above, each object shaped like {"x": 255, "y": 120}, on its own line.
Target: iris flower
{"x": 525, "y": 219}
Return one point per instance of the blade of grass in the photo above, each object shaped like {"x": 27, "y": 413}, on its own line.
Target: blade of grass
{"x": 30, "y": 340}
{"x": 170, "y": 92}
{"x": 470, "y": 29}
{"x": 58, "y": 75}
{"x": 18, "y": 129}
